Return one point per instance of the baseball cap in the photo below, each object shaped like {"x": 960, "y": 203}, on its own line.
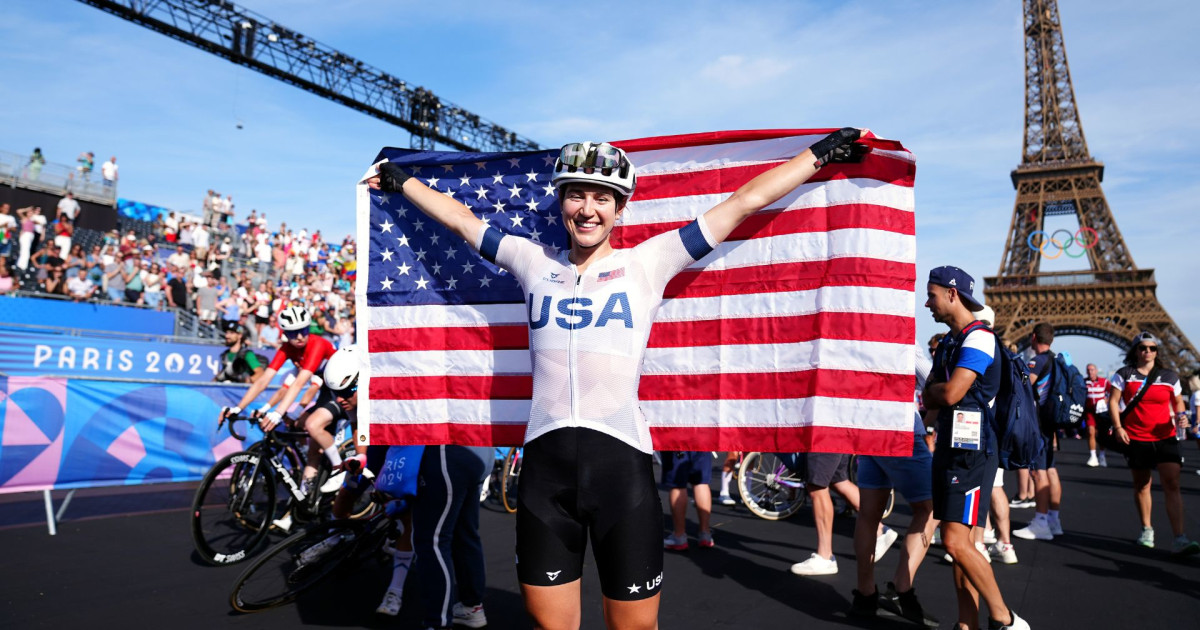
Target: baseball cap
{"x": 955, "y": 278}
{"x": 1145, "y": 336}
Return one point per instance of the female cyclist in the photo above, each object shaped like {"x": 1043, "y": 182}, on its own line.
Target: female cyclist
{"x": 587, "y": 470}
{"x": 308, "y": 353}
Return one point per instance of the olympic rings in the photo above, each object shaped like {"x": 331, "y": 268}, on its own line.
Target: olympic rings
{"x": 1085, "y": 237}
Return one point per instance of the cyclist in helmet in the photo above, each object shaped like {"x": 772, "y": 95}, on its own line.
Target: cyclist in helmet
{"x": 239, "y": 364}
{"x": 308, "y": 353}
{"x": 587, "y": 469}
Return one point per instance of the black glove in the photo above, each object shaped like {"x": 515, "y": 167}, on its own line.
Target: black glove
{"x": 392, "y": 177}
{"x": 840, "y": 146}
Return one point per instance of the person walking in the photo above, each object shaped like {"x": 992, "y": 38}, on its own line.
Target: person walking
{"x": 965, "y": 379}
{"x": 1146, "y": 403}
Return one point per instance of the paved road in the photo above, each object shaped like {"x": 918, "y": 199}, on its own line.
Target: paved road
{"x": 124, "y": 557}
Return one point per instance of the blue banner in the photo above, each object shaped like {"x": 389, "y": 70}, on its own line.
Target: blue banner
{"x": 60, "y": 433}
{"x": 85, "y": 315}
{"x": 49, "y": 354}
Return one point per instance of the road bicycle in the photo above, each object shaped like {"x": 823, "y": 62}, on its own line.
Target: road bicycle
{"x": 308, "y": 557}
{"x": 501, "y": 484}
{"x": 243, "y": 494}
{"x": 772, "y": 490}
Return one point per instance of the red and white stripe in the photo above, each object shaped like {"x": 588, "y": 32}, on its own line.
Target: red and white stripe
{"x": 795, "y": 334}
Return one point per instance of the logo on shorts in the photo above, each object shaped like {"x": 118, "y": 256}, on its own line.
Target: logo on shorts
{"x": 954, "y": 480}
{"x": 553, "y": 575}
{"x": 649, "y": 586}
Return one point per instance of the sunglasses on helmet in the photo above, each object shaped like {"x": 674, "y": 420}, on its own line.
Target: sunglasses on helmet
{"x": 587, "y": 157}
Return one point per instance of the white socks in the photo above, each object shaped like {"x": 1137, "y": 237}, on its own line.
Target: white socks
{"x": 726, "y": 477}
{"x": 334, "y": 456}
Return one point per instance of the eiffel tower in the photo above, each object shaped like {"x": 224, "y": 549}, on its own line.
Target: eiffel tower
{"x": 1113, "y": 300}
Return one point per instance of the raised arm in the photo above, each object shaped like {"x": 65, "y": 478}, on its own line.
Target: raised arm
{"x": 772, "y": 185}
{"x": 450, "y": 213}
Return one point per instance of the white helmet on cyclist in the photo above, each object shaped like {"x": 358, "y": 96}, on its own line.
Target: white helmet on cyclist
{"x": 341, "y": 370}
{"x": 594, "y": 163}
{"x": 294, "y": 318}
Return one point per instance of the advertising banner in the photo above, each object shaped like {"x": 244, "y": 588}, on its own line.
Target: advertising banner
{"x": 62, "y": 433}
{"x": 48, "y": 354}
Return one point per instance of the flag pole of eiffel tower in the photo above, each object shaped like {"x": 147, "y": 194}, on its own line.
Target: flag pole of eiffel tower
{"x": 1113, "y": 300}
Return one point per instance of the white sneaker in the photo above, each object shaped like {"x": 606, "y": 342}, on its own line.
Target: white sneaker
{"x": 1146, "y": 538}
{"x": 989, "y": 536}
{"x": 390, "y": 605}
{"x": 884, "y": 541}
{"x": 978, "y": 547}
{"x": 815, "y": 565}
{"x": 334, "y": 483}
{"x": 1092, "y": 461}
{"x": 283, "y": 524}
{"x": 1038, "y": 529}
{"x": 1055, "y": 525}
{"x": 1102, "y": 460}
{"x": 1006, "y": 554}
{"x": 725, "y": 499}
{"x": 1017, "y": 623}
{"x": 472, "y": 617}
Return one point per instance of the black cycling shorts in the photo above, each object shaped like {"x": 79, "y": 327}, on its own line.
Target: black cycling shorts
{"x": 578, "y": 483}
{"x": 326, "y": 400}
{"x": 1148, "y": 455}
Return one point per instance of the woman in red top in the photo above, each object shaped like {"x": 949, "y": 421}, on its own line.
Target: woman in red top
{"x": 1148, "y": 430}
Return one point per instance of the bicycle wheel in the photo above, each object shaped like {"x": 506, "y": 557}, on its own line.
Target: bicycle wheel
{"x": 511, "y": 474}
{"x": 233, "y": 508}
{"x": 295, "y": 565}
{"x": 768, "y": 488}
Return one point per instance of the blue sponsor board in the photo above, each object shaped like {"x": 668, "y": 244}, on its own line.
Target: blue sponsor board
{"x": 49, "y": 354}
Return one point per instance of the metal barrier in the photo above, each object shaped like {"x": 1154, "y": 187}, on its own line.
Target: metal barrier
{"x": 188, "y": 326}
{"x": 55, "y": 178}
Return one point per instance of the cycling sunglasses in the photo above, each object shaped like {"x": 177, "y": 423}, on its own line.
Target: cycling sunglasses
{"x": 295, "y": 334}
{"x": 587, "y": 156}
{"x": 345, "y": 393}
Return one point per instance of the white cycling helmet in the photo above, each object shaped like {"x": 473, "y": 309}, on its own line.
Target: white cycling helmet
{"x": 294, "y": 318}
{"x": 594, "y": 163}
{"x": 341, "y": 370}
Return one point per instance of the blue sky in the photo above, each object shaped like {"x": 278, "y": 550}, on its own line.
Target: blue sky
{"x": 947, "y": 79}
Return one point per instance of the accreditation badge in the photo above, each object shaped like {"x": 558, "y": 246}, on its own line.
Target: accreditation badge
{"x": 966, "y": 429}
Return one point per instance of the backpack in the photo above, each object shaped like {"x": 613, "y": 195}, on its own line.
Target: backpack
{"x": 1015, "y": 412}
{"x": 1068, "y": 393}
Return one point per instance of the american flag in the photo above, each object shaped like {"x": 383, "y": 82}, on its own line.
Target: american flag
{"x": 796, "y": 334}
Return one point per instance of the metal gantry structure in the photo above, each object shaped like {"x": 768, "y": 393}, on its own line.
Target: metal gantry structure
{"x": 1113, "y": 299}
{"x": 254, "y": 41}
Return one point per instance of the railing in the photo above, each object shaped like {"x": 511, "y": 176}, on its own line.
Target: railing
{"x": 108, "y": 334}
{"x": 1071, "y": 278}
{"x": 188, "y": 326}
{"x": 58, "y": 179}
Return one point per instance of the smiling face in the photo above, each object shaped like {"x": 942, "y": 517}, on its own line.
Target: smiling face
{"x": 589, "y": 214}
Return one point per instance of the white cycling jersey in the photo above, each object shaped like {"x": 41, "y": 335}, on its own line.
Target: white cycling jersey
{"x": 588, "y": 333}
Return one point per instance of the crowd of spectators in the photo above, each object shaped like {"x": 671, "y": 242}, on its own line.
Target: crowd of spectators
{"x": 209, "y": 266}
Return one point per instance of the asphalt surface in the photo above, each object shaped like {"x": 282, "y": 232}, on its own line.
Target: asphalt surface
{"x": 125, "y": 556}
